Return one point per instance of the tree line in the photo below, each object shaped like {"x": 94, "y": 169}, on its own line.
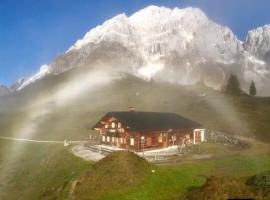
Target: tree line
{"x": 233, "y": 87}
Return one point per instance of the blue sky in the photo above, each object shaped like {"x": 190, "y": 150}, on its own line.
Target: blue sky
{"x": 34, "y": 32}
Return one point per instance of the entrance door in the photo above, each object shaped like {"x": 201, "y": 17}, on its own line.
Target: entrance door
{"x": 197, "y": 136}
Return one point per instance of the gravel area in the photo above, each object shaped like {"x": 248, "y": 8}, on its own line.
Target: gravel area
{"x": 83, "y": 152}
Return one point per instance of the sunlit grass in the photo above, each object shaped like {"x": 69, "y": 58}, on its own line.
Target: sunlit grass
{"x": 172, "y": 181}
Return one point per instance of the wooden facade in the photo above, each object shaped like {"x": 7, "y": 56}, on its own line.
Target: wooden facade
{"x": 115, "y": 131}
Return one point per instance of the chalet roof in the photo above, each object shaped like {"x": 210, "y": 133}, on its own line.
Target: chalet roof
{"x": 151, "y": 120}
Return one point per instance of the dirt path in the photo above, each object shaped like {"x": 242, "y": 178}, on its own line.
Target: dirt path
{"x": 38, "y": 141}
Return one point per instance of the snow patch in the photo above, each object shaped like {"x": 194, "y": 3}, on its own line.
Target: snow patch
{"x": 255, "y": 60}
{"x": 44, "y": 70}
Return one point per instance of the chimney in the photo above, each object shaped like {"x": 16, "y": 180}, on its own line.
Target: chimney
{"x": 131, "y": 109}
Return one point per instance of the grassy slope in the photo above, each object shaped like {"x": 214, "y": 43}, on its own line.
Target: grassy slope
{"x": 37, "y": 171}
{"x": 46, "y": 172}
{"x": 222, "y": 188}
{"x": 40, "y": 170}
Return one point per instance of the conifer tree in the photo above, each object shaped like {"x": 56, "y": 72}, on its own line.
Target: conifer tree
{"x": 233, "y": 86}
{"x": 252, "y": 89}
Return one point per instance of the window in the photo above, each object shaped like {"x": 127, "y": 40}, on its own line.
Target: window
{"x": 108, "y": 139}
{"x": 113, "y": 124}
{"x": 106, "y": 125}
{"x": 121, "y": 130}
{"x": 103, "y": 138}
{"x": 142, "y": 140}
{"x": 173, "y": 139}
{"x": 132, "y": 141}
{"x": 119, "y": 124}
{"x": 121, "y": 140}
{"x": 112, "y": 139}
{"x": 160, "y": 138}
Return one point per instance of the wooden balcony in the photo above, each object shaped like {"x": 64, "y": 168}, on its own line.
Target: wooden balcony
{"x": 113, "y": 131}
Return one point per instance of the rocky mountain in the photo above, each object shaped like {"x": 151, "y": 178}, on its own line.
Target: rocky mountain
{"x": 258, "y": 43}
{"x": 172, "y": 45}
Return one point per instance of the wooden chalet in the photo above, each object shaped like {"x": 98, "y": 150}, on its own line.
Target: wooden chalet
{"x": 145, "y": 130}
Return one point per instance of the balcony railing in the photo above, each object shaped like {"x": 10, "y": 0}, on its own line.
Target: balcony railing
{"x": 113, "y": 130}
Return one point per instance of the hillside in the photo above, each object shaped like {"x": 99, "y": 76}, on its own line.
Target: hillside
{"x": 51, "y": 110}
{"x": 222, "y": 188}
{"x": 60, "y": 107}
{"x": 31, "y": 171}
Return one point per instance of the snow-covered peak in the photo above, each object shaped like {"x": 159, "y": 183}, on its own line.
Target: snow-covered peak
{"x": 258, "y": 42}
{"x": 43, "y": 71}
{"x": 154, "y": 15}
{"x": 151, "y": 39}
{"x": 118, "y": 24}
{"x": 148, "y": 14}
{"x": 152, "y": 20}
{"x": 156, "y": 31}
{"x": 260, "y": 30}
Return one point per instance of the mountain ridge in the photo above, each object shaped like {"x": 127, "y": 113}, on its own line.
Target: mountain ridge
{"x": 181, "y": 43}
